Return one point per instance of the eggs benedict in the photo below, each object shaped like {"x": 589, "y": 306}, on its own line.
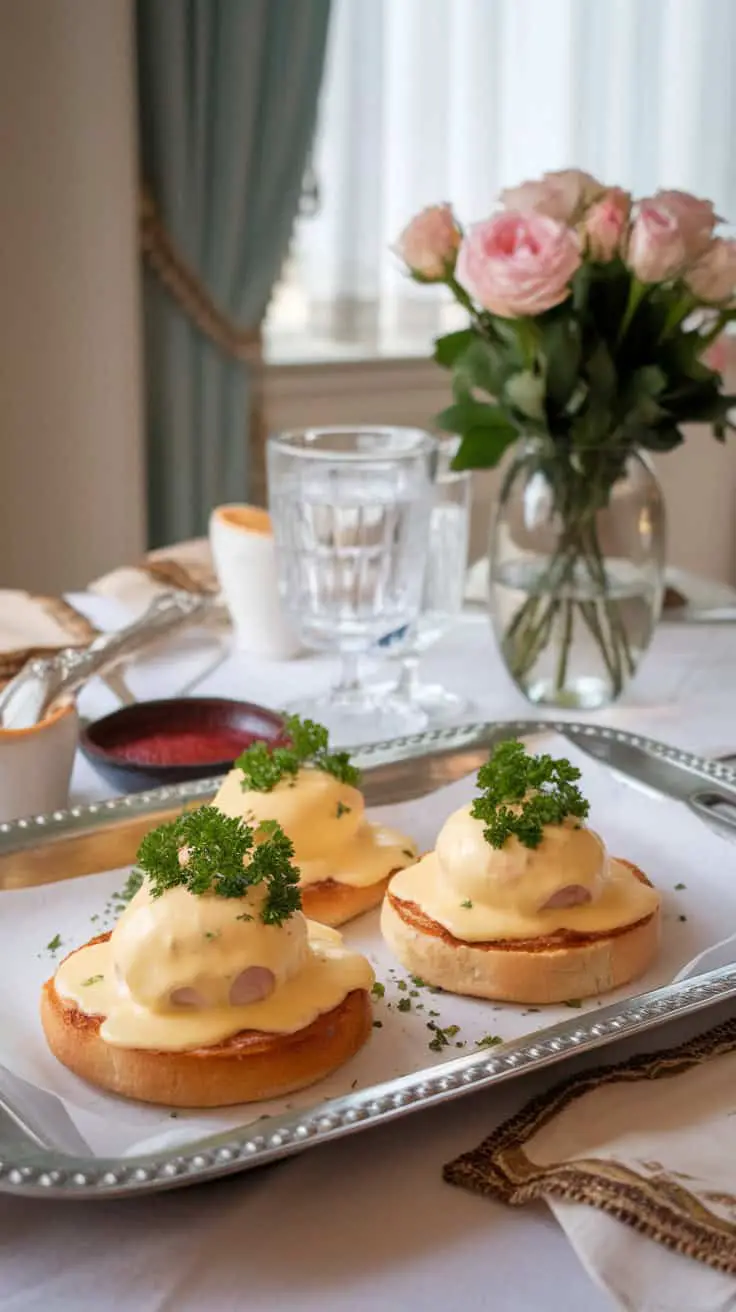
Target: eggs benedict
{"x": 344, "y": 859}
{"x": 520, "y": 901}
{"x": 213, "y": 988}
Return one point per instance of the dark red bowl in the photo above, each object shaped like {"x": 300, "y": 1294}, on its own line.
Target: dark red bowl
{"x": 169, "y": 741}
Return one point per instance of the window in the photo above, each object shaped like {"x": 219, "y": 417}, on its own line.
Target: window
{"x": 431, "y": 100}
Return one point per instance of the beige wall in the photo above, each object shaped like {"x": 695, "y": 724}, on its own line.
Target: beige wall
{"x": 699, "y": 479}
{"x": 71, "y": 500}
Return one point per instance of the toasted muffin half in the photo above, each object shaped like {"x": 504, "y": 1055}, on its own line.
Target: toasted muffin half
{"x": 556, "y": 968}
{"x": 248, "y": 1067}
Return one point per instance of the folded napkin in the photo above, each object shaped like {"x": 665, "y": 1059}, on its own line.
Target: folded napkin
{"x": 187, "y": 566}
{"x": 37, "y": 626}
{"x": 627, "y": 1154}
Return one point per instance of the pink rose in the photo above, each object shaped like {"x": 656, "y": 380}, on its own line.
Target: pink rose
{"x": 716, "y": 357}
{"x": 605, "y": 224}
{"x": 428, "y": 245}
{"x": 562, "y": 196}
{"x": 518, "y": 264}
{"x": 713, "y": 277}
{"x": 695, "y": 218}
{"x": 656, "y": 246}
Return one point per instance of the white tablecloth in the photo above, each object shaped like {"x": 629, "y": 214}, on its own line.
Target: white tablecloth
{"x": 364, "y": 1225}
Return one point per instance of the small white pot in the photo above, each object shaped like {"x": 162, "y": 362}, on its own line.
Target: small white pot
{"x": 36, "y": 764}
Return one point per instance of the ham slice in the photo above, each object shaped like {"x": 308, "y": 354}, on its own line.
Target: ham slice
{"x": 572, "y": 895}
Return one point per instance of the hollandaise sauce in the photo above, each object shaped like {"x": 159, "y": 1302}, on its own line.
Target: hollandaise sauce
{"x": 180, "y": 972}
{"x": 325, "y": 820}
{"x": 483, "y": 894}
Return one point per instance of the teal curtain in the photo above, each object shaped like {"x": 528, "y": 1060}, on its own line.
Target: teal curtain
{"x": 228, "y": 94}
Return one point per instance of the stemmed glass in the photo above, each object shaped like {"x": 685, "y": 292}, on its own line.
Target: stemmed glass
{"x": 442, "y": 592}
{"x": 350, "y": 509}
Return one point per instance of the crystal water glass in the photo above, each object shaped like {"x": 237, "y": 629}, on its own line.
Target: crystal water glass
{"x": 442, "y": 591}
{"x": 351, "y": 509}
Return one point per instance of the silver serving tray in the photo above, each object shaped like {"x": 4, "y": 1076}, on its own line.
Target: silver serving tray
{"x": 413, "y": 766}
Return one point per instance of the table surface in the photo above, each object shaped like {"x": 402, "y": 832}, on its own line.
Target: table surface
{"x": 367, "y": 1223}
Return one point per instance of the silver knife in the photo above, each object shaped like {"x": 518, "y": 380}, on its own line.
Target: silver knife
{"x": 712, "y": 800}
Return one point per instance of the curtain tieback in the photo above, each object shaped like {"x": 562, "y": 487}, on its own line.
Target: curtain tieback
{"x": 189, "y": 292}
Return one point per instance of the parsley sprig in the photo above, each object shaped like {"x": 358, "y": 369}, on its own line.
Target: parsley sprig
{"x": 263, "y": 767}
{"x": 209, "y": 852}
{"x": 522, "y": 793}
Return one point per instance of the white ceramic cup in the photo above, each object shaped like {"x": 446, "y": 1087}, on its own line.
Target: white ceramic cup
{"x": 245, "y": 561}
{"x": 36, "y": 764}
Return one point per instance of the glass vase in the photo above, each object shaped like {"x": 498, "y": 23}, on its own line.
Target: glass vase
{"x": 576, "y": 571}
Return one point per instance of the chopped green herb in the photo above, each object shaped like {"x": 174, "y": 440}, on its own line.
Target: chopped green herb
{"x": 406, "y": 851}
{"x": 263, "y": 767}
{"x": 419, "y": 982}
{"x": 378, "y": 1024}
{"x": 93, "y": 979}
{"x": 489, "y": 1041}
{"x": 55, "y": 943}
{"x": 378, "y": 990}
{"x": 573, "y": 1002}
{"x": 441, "y": 1037}
{"x": 522, "y": 793}
{"x": 131, "y": 886}
{"x": 679, "y": 887}
{"x": 94, "y": 918}
{"x": 413, "y": 993}
{"x": 404, "y": 1004}
{"x": 402, "y": 984}
{"x": 212, "y": 933}
{"x": 208, "y": 852}
{"x": 342, "y": 810}
{"x": 244, "y": 916}
{"x": 419, "y": 1006}
{"x": 460, "y": 1043}
{"x": 173, "y": 1115}
{"x": 433, "y": 1013}
{"x": 467, "y": 904}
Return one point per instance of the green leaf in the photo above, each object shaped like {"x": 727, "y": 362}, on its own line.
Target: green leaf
{"x": 467, "y": 414}
{"x": 591, "y": 428}
{"x": 650, "y": 380}
{"x": 640, "y": 400}
{"x": 561, "y": 348}
{"x": 483, "y": 365}
{"x": 665, "y": 437}
{"x": 601, "y": 372}
{"x": 581, "y": 287}
{"x": 482, "y": 448}
{"x": 525, "y": 392}
{"x": 447, "y": 349}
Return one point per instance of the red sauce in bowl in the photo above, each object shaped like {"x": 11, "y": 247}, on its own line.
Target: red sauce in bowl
{"x": 204, "y": 746}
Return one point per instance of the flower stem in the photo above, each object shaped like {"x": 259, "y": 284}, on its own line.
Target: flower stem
{"x": 636, "y": 295}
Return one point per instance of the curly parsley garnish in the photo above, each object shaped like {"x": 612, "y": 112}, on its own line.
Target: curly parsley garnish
{"x": 209, "y": 852}
{"x": 263, "y": 767}
{"x": 540, "y": 790}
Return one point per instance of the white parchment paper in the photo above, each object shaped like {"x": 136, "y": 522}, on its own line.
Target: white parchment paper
{"x": 672, "y": 846}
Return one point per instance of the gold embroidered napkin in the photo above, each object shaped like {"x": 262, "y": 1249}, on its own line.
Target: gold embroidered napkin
{"x": 37, "y": 626}
{"x": 626, "y": 1155}
{"x": 187, "y": 566}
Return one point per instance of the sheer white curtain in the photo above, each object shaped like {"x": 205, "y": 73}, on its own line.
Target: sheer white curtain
{"x": 430, "y": 100}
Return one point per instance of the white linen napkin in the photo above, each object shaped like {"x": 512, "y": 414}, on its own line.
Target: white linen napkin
{"x": 37, "y": 626}
{"x": 186, "y": 566}
{"x": 638, "y": 1164}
